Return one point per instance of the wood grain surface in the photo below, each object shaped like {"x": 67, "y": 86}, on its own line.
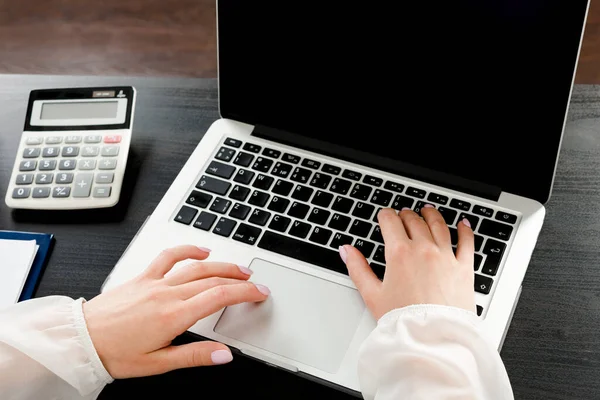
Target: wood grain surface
{"x": 552, "y": 349}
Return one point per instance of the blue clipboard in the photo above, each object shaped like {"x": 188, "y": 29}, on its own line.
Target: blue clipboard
{"x": 45, "y": 241}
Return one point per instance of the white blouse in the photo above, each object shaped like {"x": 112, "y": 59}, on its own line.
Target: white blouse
{"x": 417, "y": 352}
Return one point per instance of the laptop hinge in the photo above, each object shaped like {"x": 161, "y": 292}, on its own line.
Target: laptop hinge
{"x": 449, "y": 181}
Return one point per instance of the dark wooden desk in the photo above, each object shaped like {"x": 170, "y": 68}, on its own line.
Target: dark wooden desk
{"x": 552, "y": 350}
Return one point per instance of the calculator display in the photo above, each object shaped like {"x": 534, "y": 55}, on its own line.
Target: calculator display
{"x": 80, "y": 110}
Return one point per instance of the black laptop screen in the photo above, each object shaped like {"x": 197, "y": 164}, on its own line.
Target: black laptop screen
{"x": 476, "y": 89}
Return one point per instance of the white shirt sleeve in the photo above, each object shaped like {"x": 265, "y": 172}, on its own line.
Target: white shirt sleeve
{"x": 431, "y": 352}
{"x": 46, "y": 352}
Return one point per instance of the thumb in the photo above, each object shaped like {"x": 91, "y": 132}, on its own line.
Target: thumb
{"x": 197, "y": 354}
{"x": 361, "y": 273}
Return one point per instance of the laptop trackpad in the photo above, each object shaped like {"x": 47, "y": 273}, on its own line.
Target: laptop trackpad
{"x": 307, "y": 319}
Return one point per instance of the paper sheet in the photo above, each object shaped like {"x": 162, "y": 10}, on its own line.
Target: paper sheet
{"x": 16, "y": 258}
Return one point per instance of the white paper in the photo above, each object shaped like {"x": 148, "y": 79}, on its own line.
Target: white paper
{"x": 16, "y": 258}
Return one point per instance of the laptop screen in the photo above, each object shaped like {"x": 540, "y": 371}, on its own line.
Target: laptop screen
{"x": 475, "y": 89}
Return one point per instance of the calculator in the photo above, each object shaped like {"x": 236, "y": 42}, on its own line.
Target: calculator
{"x": 73, "y": 150}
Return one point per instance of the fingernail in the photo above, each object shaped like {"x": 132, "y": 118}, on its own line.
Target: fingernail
{"x": 221, "y": 357}
{"x": 428, "y": 206}
{"x": 405, "y": 208}
{"x": 466, "y": 222}
{"x": 205, "y": 249}
{"x": 245, "y": 270}
{"x": 343, "y": 253}
{"x": 263, "y": 289}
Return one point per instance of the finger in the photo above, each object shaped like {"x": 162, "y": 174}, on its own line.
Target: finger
{"x": 190, "y": 289}
{"x": 361, "y": 274}
{"x": 391, "y": 226}
{"x": 218, "y": 297}
{"x": 465, "y": 250}
{"x": 197, "y": 354}
{"x": 201, "y": 270}
{"x": 169, "y": 257}
{"x": 415, "y": 226}
{"x": 437, "y": 226}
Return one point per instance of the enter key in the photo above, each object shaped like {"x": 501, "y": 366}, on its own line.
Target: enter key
{"x": 493, "y": 250}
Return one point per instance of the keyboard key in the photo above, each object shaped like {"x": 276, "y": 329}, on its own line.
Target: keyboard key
{"x": 478, "y": 242}
{"x": 111, "y": 139}
{"x": 291, "y": 158}
{"x": 363, "y": 210}
{"x": 47, "y": 165}
{"x": 225, "y": 154}
{"x": 233, "y": 142}
{"x": 495, "y": 229}
{"x": 320, "y": 180}
{"x": 453, "y": 236}
{"x": 301, "y": 175}
{"x": 50, "y": 151}
{"x": 90, "y": 151}
{"x": 64, "y": 177}
{"x": 224, "y": 227}
{"x": 87, "y": 164}
{"x": 271, "y": 153}
{"x": 381, "y": 197}
{"x": 298, "y": 210}
{"x": 355, "y": 176}
{"x": 259, "y": 198}
{"x": 484, "y": 211}
{"x": 376, "y": 235}
{"x": 21, "y": 193}
{"x": 243, "y": 176}
{"x": 32, "y": 152}
{"x": 378, "y": 269}
{"x": 303, "y": 251}
{"x": 247, "y": 234}
{"x": 205, "y": 221}
{"x": 282, "y": 187}
{"x": 331, "y": 169}
{"x": 311, "y": 164}
{"x": 300, "y": 229}
{"x": 108, "y": 164}
{"x": 361, "y": 192}
{"x": 61, "y": 192}
{"x": 221, "y": 170}
{"x": 342, "y": 204}
{"x": 371, "y": 180}
{"x": 263, "y": 182}
{"x": 278, "y": 204}
{"x": 376, "y": 215}
{"x": 259, "y": 217}
{"x": 393, "y": 186}
{"x": 34, "y": 140}
{"x": 253, "y": 148}
{"x": 243, "y": 159}
{"x": 402, "y": 201}
{"x": 419, "y": 206}
{"x": 472, "y": 219}
{"x": 379, "y": 255}
{"x": 494, "y": 251}
{"x": 477, "y": 261}
{"x": 281, "y": 170}
{"x": 460, "y": 204}
{"x": 360, "y": 228}
{"x": 40, "y": 192}
{"x": 24, "y": 179}
{"x": 27, "y": 165}
{"x": 479, "y": 310}
{"x": 92, "y": 139}
{"x": 220, "y": 205}
{"x": 340, "y": 186}
{"x": 66, "y": 165}
{"x": 239, "y": 211}
{"x": 339, "y": 222}
{"x": 73, "y": 151}
{"x": 506, "y": 217}
{"x": 448, "y": 214}
{"x": 366, "y": 248}
{"x": 213, "y": 185}
{"x": 279, "y": 223}
{"x": 437, "y": 198}
{"x": 320, "y": 235}
{"x": 262, "y": 164}
{"x": 339, "y": 239}
{"x": 44, "y": 178}
{"x": 199, "y": 199}
{"x": 110, "y": 151}
{"x": 318, "y": 216}
{"x": 101, "y": 191}
{"x": 419, "y": 193}
{"x": 302, "y": 193}
{"x": 483, "y": 284}
{"x": 239, "y": 193}
{"x": 54, "y": 140}
{"x": 322, "y": 199}
{"x": 186, "y": 215}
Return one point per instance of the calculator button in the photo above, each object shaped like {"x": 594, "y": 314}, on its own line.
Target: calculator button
{"x": 32, "y": 141}
{"x": 72, "y": 139}
{"x": 87, "y": 164}
{"x": 90, "y": 151}
{"x": 105, "y": 177}
{"x": 112, "y": 139}
{"x": 31, "y": 152}
{"x": 27, "y": 165}
{"x": 67, "y": 164}
{"x": 47, "y": 165}
{"x": 93, "y": 139}
{"x": 21, "y": 193}
{"x": 102, "y": 191}
{"x": 53, "y": 140}
{"x": 82, "y": 185}
{"x": 51, "y": 151}
{"x": 110, "y": 151}
{"x": 70, "y": 151}
{"x": 24, "y": 179}
{"x": 44, "y": 179}
{"x": 61, "y": 191}
{"x": 40, "y": 192}
{"x": 64, "y": 177}
{"x": 108, "y": 164}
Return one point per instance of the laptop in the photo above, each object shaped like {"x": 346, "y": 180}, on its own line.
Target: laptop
{"x": 331, "y": 113}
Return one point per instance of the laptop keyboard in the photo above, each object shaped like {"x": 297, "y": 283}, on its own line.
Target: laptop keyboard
{"x": 305, "y": 209}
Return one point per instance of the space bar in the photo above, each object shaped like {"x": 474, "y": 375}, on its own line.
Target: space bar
{"x": 302, "y": 251}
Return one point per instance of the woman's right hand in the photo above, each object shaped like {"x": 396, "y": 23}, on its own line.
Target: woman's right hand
{"x": 421, "y": 267}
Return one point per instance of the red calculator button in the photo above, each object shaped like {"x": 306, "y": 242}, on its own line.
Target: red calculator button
{"x": 112, "y": 139}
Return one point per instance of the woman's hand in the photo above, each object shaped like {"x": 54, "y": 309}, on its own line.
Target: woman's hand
{"x": 132, "y": 325}
{"x": 420, "y": 265}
